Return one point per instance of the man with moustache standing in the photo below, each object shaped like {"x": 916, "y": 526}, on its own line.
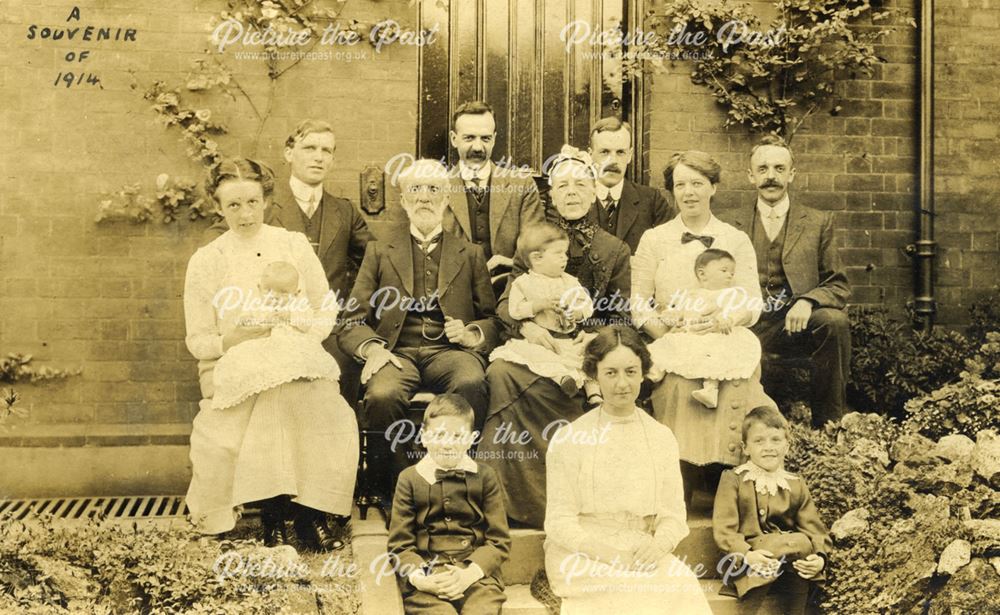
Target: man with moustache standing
{"x": 489, "y": 204}
{"x": 803, "y": 284}
{"x": 421, "y": 315}
{"x": 622, "y": 207}
{"x": 335, "y": 229}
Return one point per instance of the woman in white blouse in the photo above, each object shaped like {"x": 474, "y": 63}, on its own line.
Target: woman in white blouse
{"x": 293, "y": 447}
{"x": 662, "y": 270}
{"x": 615, "y": 509}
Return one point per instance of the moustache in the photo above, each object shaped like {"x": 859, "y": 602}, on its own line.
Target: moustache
{"x": 477, "y": 155}
{"x": 771, "y": 184}
{"x": 612, "y": 168}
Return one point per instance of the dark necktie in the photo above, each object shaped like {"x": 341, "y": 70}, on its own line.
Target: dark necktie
{"x": 476, "y": 189}
{"x": 705, "y": 239}
{"x": 428, "y": 244}
{"x": 441, "y": 474}
{"x": 610, "y": 211}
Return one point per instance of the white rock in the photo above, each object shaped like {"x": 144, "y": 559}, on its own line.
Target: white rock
{"x": 954, "y": 447}
{"x": 986, "y": 456}
{"x": 954, "y": 556}
{"x": 853, "y": 523}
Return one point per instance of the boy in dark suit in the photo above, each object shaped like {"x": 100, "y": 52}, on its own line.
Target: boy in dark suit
{"x": 449, "y": 529}
{"x": 766, "y": 522}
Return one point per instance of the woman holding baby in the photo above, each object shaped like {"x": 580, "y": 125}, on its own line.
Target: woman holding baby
{"x": 698, "y": 318}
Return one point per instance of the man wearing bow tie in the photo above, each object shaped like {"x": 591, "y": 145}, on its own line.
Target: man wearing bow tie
{"x": 622, "y": 207}
{"x": 489, "y": 204}
{"x": 421, "y": 315}
{"x": 801, "y": 278}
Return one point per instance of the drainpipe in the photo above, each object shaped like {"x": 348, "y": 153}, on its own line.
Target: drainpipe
{"x": 925, "y": 248}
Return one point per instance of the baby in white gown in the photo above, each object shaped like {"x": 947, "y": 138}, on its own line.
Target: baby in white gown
{"x": 729, "y": 354}
{"x": 286, "y": 354}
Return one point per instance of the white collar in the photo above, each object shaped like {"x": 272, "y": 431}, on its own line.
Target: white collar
{"x": 779, "y": 209}
{"x": 483, "y": 172}
{"x": 616, "y": 191}
{"x": 427, "y": 467}
{"x": 420, "y": 236}
{"x": 713, "y": 227}
{"x": 304, "y": 192}
{"x": 765, "y": 482}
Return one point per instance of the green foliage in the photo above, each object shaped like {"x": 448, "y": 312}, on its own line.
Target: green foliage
{"x": 129, "y": 569}
{"x": 967, "y": 406}
{"x": 984, "y": 317}
{"x": 891, "y": 363}
{"x": 890, "y": 567}
{"x": 770, "y": 80}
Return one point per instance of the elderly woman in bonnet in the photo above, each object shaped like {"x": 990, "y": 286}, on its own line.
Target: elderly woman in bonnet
{"x": 292, "y": 445}
{"x": 663, "y": 274}
{"x": 524, "y": 406}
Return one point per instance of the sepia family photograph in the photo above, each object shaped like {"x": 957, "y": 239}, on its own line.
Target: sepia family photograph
{"x": 521, "y": 307}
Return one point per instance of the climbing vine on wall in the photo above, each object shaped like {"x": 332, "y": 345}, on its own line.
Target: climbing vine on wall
{"x": 770, "y": 79}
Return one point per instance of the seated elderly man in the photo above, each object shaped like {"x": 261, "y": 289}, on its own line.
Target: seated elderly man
{"x": 421, "y": 316}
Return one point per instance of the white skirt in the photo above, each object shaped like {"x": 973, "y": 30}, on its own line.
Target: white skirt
{"x": 256, "y": 365}
{"x": 567, "y": 363}
{"x": 716, "y": 356}
{"x": 589, "y": 587}
{"x": 298, "y": 439}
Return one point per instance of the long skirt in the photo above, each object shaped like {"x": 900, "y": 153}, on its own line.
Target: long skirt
{"x": 590, "y": 587}
{"x": 708, "y": 435}
{"x": 298, "y": 439}
{"x": 524, "y": 413}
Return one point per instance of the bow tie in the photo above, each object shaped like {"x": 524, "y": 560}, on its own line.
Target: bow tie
{"x": 705, "y": 239}
{"x": 441, "y": 474}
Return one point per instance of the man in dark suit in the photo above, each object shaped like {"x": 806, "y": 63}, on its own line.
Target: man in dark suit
{"x": 334, "y": 227}
{"x": 622, "y": 207}
{"x": 489, "y": 204}
{"x": 421, "y": 315}
{"x": 802, "y": 282}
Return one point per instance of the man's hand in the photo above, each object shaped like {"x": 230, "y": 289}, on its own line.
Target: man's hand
{"x": 378, "y": 357}
{"x": 536, "y": 334}
{"x": 430, "y": 583}
{"x": 458, "y": 333}
{"x": 242, "y": 333}
{"x": 810, "y": 566}
{"x": 797, "y": 318}
{"x": 498, "y": 260}
{"x": 456, "y": 580}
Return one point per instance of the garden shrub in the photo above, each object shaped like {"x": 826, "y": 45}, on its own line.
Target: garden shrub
{"x": 915, "y": 503}
{"x": 891, "y": 363}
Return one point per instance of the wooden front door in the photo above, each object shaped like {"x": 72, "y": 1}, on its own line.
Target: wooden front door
{"x": 512, "y": 54}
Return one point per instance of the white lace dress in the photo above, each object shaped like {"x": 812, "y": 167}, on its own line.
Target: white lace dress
{"x": 299, "y": 437}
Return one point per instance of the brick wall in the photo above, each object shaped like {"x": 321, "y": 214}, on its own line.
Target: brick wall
{"x": 863, "y": 162}
{"x": 107, "y": 297}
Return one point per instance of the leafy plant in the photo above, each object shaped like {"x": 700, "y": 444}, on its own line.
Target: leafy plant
{"x": 176, "y": 195}
{"x": 127, "y": 203}
{"x": 196, "y": 125}
{"x": 18, "y": 368}
{"x": 984, "y": 317}
{"x": 891, "y": 363}
{"x": 772, "y": 80}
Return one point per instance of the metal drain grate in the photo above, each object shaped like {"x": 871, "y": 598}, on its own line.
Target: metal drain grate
{"x": 120, "y": 507}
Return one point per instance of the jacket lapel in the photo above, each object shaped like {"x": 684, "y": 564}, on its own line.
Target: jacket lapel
{"x": 331, "y": 223}
{"x": 452, "y": 261}
{"x": 628, "y": 209}
{"x": 796, "y": 221}
{"x": 284, "y": 209}
{"x": 459, "y": 207}
{"x": 500, "y": 197}
{"x": 401, "y": 256}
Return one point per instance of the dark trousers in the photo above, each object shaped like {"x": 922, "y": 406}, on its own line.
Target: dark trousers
{"x": 439, "y": 369}
{"x": 484, "y": 597}
{"x": 790, "y": 590}
{"x": 827, "y": 339}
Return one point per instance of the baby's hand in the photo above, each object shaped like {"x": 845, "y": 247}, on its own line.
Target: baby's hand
{"x": 810, "y": 566}
{"x": 547, "y": 303}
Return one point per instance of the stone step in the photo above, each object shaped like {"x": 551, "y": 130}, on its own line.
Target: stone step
{"x": 521, "y": 602}
{"x": 697, "y": 550}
